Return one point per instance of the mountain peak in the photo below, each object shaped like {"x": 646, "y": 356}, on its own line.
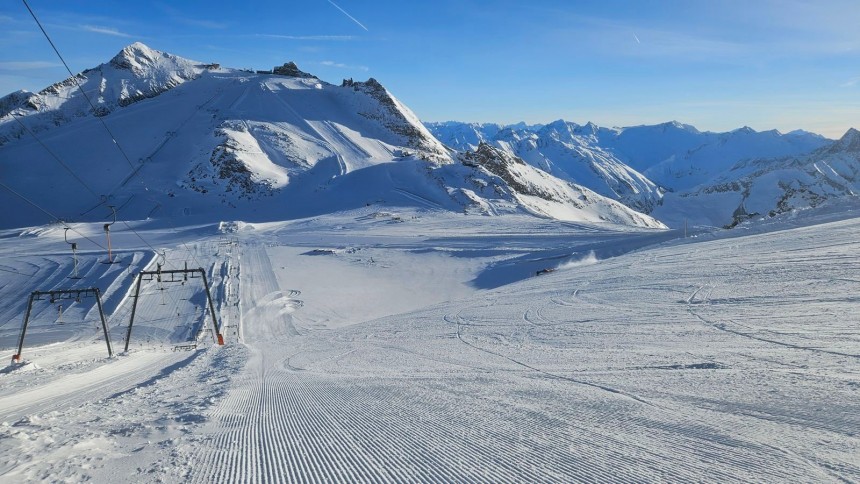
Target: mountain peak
{"x": 588, "y": 128}
{"x": 135, "y": 56}
{"x": 679, "y": 126}
{"x": 558, "y": 124}
{"x": 560, "y": 127}
{"x": 850, "y": 141}
{"x": 744, "y": 130}
{"x": 851, "y": 134}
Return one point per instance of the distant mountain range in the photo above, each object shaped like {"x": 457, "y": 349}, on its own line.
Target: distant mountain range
{"x": 198, "y": 139}
{"x": 674, "y": 171}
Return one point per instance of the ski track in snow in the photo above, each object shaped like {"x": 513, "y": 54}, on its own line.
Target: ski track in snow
{"x": 693, "y": 361}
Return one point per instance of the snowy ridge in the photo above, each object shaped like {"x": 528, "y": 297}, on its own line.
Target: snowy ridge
{"x": 135, "y": 73}
{"x": 543, "y": 194}
{"x": 769, "y": 187}
{"x": 704, "y": 156}
{"x": 564, "y": 150}
{"x": 399, "y": 119}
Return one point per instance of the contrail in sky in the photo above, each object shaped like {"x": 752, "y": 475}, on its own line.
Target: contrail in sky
{"x": 348, "y": 15}
{"x": 634, "y": 36}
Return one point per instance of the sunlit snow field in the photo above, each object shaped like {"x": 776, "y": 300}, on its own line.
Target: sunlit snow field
{"x": 383, "y": 344}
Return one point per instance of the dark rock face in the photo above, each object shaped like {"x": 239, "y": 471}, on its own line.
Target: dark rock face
{"x": 499, "y": 163}
{"x": 390, "y": 116}
{"x": 290, "y": 69}
{"x": 18, "y": 99}
{"x": 226, "y": 173}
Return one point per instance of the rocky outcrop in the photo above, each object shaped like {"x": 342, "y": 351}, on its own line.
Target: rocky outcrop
{"x": 397, "y": 118}
{"x": 290, "y": 69}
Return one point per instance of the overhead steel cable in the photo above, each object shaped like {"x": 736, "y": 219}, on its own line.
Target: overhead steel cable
{"x": 57, "y": 158}
{"x": 78, "y": 85}
{"x": 89, "y": 101}
{"x": 16, "y": 272}
{"x": 110, "y": 133}
{"x": 58, "y": 219}
{"x": 144, "y": 241}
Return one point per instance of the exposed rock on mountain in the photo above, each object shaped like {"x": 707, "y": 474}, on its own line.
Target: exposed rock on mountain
{"x": 290, "y": 69}
{"x": 543, "y": 194}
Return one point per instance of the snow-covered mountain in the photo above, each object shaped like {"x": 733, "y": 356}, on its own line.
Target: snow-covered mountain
{"x": 562, "y": 149}
{"x": 768, "y": 187}
{"x": 135, "y": 73}
{"x": 509, "y": 177}
{"x": 197, "y": 139}
{"x": 634, "y": 165}
{"x": 680, "y": 157}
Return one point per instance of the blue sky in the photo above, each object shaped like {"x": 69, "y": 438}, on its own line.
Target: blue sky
{"x": 718, "y": 65}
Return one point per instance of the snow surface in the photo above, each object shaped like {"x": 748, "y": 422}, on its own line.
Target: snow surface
{"x": 420, "y": 346}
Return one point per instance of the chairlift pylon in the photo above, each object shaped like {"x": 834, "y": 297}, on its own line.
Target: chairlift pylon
{"x": 54, "y": 296}
{"x": 107, "y": 235}
{"x": 171, "y": 276}
{"x": 74, "y": 253}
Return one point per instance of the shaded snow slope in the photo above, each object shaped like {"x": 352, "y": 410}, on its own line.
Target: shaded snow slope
{"x": 681, "y": 158}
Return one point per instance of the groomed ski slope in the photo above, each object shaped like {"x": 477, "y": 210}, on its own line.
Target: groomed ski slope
{"x": 380, "y": 346}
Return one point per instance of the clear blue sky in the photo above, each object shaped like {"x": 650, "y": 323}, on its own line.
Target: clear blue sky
{"x": 718, "y": 65}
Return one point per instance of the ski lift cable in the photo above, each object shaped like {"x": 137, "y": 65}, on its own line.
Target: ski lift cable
{"x": 113, "y": 138}
{"x": 16, "y": 272}
{"x": 75, "y": 80}
{"x": 71, "y": 172}
{"x": 58, "y": 219}
{"x": 57, "y": 158}
{"x": 147, "y": 243}
{"x": 77, "y": 84}
{"x": 149, "y": 157}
